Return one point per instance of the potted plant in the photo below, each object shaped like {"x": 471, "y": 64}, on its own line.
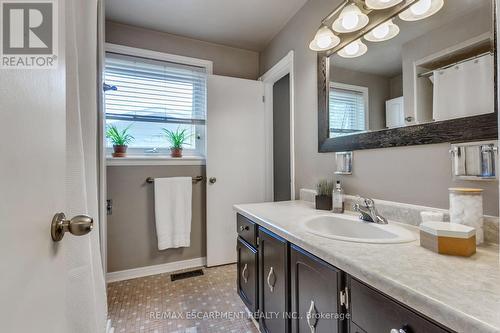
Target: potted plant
{"x": 177, "y": 139}
{"x": 324, "y": 195}
{"x": 120, "y": 139}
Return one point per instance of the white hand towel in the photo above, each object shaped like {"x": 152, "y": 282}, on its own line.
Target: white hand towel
{"x": 173, "y": 211}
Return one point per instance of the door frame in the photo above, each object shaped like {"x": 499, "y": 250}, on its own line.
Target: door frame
{"x": 101, "y": 138}
{"x": 282, "y": 68}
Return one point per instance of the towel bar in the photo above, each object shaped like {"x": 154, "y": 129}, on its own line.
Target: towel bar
{"x": 196, "y": 179}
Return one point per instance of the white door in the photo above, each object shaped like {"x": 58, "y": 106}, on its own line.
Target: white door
{"x": 394, "y": 112}
{"x": 235, "y": 159}
{"x": 47, "y": 286}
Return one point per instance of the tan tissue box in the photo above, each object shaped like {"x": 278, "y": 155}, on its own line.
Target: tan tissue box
{"x": 448, "y": 238}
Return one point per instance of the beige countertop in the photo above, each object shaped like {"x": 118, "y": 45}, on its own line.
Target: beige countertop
{"x": 460, "y": 293}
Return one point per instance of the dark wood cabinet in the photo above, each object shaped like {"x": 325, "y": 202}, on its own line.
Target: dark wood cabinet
{"x": 285, "y": 285}
{"x": 374, "y": 312}
{"x": 273, "y": 283}
{"x": 315, "y": 291}
{"x": 247, "y": 282}
{"x": 247, "y": 230}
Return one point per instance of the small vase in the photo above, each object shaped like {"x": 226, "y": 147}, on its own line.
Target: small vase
{"x": 324, "y": 202}
{"x": 119, "y": 150}
{"x": 176, "y": 152}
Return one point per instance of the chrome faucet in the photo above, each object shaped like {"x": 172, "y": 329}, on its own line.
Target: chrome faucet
{"x": 368, "y": 212}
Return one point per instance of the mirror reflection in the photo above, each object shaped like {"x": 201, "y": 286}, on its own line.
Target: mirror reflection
{"x": 412, "y": 72}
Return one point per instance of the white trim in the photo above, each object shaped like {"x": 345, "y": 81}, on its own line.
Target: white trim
{"x": 280, "y": 69}
{"x": 154, "y": 160}
{"x": 156, "y": 269}
{"x": 366, "y": 97}
{"x": 101, "y": 138}
{"x": 134, "y": 51}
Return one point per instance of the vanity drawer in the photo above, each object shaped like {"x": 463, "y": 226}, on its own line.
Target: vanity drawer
{"x": 374, "y": 312}
{"x": 247, "y": 230}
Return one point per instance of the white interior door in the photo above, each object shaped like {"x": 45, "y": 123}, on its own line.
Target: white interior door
{"x": 32, "y": 169}
{"x": 235, "y": 159}
{"x": 47, "y": 286}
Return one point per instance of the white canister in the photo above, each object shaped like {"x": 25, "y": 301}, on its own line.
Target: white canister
{"x": 466, "y": 207}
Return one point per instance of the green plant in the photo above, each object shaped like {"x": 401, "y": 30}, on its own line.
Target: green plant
{"x": 325, "y": 187}
{"x": 119, "y": 138}
{"x": 178, "y": 138}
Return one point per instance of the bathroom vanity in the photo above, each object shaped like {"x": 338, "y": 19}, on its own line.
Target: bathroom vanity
{"x": 331, "y": 285}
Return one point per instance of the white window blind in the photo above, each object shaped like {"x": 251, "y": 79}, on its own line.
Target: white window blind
{"x": 347, "y": 111}
{"x": 151, "y": 95}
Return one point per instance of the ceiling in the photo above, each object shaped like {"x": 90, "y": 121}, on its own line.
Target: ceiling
{"x": 385, "y": 58}
{"x": 239, "y": 23}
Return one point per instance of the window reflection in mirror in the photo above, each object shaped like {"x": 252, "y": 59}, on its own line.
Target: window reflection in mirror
{"x": 435, "y": 69}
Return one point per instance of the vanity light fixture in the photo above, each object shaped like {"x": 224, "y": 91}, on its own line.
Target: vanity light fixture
{"x": 382, "y": 4}
{"x": 350, "y": 19}
{"x": 354, "y": 49}
{"x": 324, "y": 40}
{"x": 383, "y": 32}
{"x": 421, "y": 9}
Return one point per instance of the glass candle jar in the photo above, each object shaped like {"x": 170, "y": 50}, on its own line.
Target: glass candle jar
{"x": 466, "y": 207}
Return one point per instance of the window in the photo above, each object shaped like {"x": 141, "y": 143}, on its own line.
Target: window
{"x": 348, "y": 109}
{"x": 152, "y": 95}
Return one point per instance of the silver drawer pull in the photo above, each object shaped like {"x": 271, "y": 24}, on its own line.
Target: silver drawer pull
{"x": 244, "y": 273}
{"x": 312, "y": 320}
{"x": 244, "y": 228}
{"x": 271, "y": 279}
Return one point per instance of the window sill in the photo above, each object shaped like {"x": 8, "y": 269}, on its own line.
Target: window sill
{"x": 154, "y": 160}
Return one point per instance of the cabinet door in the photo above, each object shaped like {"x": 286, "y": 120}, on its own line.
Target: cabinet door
{"x": 315, "y": 289}
{"x": 273, "y": 283}
{"x": 374, "y": 312}
{"x": 247, "y": 274}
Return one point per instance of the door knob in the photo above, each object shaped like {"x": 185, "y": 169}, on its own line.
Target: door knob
{"x": 212, "y": 180}
{"x": 79, "y": 225}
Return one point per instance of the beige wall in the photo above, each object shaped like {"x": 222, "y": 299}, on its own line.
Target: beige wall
{"x": 132, "y": 238}
{"x": 396, "y": 86}
{"x": 228, "y": 61}
{"x": 418, "y": 174}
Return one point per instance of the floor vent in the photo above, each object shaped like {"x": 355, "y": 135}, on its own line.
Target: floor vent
{"x": 185, "y": 275}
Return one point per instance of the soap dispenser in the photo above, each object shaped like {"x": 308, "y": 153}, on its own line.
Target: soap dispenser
{"x": 338, "y": 198}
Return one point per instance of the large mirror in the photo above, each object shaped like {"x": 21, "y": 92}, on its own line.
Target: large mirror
{"x": 433, "y": 82}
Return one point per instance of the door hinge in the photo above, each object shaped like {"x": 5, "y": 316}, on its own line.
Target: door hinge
{"x": 109, "y": 207}
{"x": 263, "y": 99}
{"x": 344, "y": 298}
{"x": 257, "y": 241}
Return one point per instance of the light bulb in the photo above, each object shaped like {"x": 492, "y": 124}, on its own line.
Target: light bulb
{"x": 352, "y": 48}
{"x": 421, "y": 7}
{"x": 381, "y": 31}
{"x": 324, "y": 41}
{"x": 350, "y": 21}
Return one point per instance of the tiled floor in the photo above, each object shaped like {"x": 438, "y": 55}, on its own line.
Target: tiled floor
{"x": 192, "y": 305}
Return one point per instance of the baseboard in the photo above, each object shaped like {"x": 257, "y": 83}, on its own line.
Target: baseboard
{"x": 156, "y": 269}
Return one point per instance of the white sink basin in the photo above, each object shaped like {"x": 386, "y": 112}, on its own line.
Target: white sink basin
{"x": 351, "y": 229}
